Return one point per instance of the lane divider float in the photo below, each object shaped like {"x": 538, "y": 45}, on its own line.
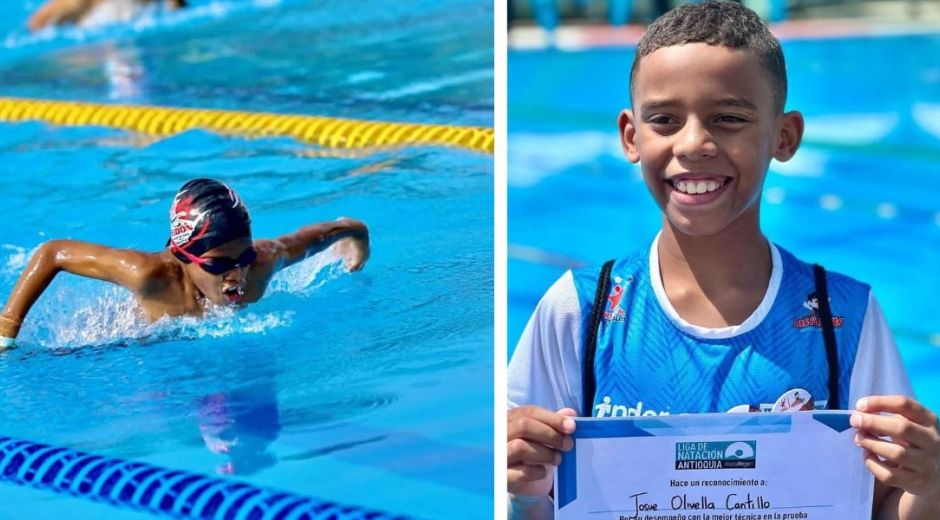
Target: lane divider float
{"x": 328, "y": 132}
{"x": 162, "y": 491}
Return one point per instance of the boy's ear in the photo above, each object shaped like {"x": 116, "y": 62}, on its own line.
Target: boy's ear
{"x": 627, "y": 125}
{"x": 790, "y": 136}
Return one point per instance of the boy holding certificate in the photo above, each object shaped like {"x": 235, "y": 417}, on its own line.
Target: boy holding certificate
{"x": 713, "y": 317}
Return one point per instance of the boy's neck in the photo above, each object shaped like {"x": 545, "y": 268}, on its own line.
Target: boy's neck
{"x": 716, "y": 280}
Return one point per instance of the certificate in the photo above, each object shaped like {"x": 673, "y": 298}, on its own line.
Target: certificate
{"x": 757, "y": 466}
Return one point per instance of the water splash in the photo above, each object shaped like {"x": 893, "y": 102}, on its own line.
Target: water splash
{"x": 304, "y": 278}
{"x": 111, "y": 317}
{"x": 69, "y": 320}
{"x": 220, "y": 322}
{"x": 17, "y": 260}
{"x": 77, "y": 313}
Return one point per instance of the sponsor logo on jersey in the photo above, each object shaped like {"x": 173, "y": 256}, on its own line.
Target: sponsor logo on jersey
{"x": 813, "y": 319}
{"x": 608, "y": 409}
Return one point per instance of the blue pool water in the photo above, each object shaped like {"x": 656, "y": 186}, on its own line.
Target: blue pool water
{"x": 372, "y": 388}
{"x": 862, "y": 196}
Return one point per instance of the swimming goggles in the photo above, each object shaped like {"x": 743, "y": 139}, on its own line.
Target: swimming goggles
{"x": 217, "y": 265}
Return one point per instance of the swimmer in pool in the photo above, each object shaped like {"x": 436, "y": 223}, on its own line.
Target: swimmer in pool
{"x": 92, "y": 12}
{"x": 210, "y": 259}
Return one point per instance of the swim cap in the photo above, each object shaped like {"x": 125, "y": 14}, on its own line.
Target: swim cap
{"x": 206, "y": 214}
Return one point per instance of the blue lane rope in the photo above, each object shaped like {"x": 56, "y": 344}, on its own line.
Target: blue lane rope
{"x": 145, "y": 487}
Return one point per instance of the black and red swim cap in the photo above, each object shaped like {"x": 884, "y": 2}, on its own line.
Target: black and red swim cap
{"x": 207, "y": 214}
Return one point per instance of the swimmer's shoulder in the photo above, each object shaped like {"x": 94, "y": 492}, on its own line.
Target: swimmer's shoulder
{"x": 155, "y": 272}
{"x": 269, "y": 252}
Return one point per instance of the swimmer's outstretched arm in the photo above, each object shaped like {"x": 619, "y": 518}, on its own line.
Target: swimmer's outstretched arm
{"x": 132, "y": 269}
{"x": 55, "y": 12}
{"x": 310, "y": 240}
{"x": 58, "y": 12}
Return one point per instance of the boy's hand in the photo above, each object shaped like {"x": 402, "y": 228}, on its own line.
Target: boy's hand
{"x": 536, "y": 438}
{"x": 9, "y": 328}
{"x": 354, "y": 251}
{"x": 911, "y": 459}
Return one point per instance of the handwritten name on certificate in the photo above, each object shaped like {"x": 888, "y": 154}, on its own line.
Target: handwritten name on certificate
{"x": 771, "y": 466}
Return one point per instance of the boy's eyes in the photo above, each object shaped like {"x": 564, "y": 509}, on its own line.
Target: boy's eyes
{"x": 660, "y": 120}
{"x": 729, "y": 118}
{"x": 721, "y": 119}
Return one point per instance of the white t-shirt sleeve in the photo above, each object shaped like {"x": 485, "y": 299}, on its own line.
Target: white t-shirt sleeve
{"x": 545, "y": 369}
{"x": 878, "y": 367}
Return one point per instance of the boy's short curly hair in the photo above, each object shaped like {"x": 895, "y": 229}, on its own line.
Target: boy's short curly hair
{"x": 717, "y": 23}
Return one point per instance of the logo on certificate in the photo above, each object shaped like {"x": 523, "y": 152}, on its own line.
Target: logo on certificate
{"x": 716, "y": 455}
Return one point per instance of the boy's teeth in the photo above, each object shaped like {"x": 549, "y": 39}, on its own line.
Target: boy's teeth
{"x": 695, "y": 187}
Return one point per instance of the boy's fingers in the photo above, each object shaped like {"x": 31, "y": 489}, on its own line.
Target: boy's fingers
{"x": 899, "y": 429}
{"x": 902, "y": 456}
{"x": 898, "y": 404}
{"x": 539, "y": 433}
{"x": 557, "y": 420}
{"x": 527, "y": 473}
{"x": 884, "y": 472}
{"x": 524, "y": 452}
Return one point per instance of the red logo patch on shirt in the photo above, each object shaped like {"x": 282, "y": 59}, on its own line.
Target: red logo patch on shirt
{"x": 614, "y": 311}
{"x": 813, "y": 319}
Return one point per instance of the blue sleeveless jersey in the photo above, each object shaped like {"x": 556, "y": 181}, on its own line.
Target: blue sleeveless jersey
{"x": 645, "y": 365}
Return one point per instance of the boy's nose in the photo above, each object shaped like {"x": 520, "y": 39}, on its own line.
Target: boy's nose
{"x": 694, "y": 142}
{"x": 236, "y": 275}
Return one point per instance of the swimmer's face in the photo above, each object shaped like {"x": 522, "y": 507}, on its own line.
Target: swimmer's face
{"x": 703, "y": 119}
{"x": 227, "y": 288}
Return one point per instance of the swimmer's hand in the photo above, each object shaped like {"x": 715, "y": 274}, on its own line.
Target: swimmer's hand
{"x": 9, "y": 328}
{"x": 354, "y": 251}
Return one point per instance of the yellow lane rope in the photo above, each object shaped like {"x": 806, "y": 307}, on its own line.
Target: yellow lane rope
{"x": 324, "y": 131}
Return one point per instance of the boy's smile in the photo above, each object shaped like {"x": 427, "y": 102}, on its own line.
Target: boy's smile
{"x": 692, "y": 189}
{"x": 704, "y": 128}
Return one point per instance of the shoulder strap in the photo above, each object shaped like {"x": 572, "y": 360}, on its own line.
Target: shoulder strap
{"x": 829, "y": 335}
{"x": 588, "y": 382}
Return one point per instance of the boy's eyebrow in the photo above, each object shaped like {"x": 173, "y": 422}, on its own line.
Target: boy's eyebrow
{"x": 738, "y": 102}
{"x": 656, "y": 104}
